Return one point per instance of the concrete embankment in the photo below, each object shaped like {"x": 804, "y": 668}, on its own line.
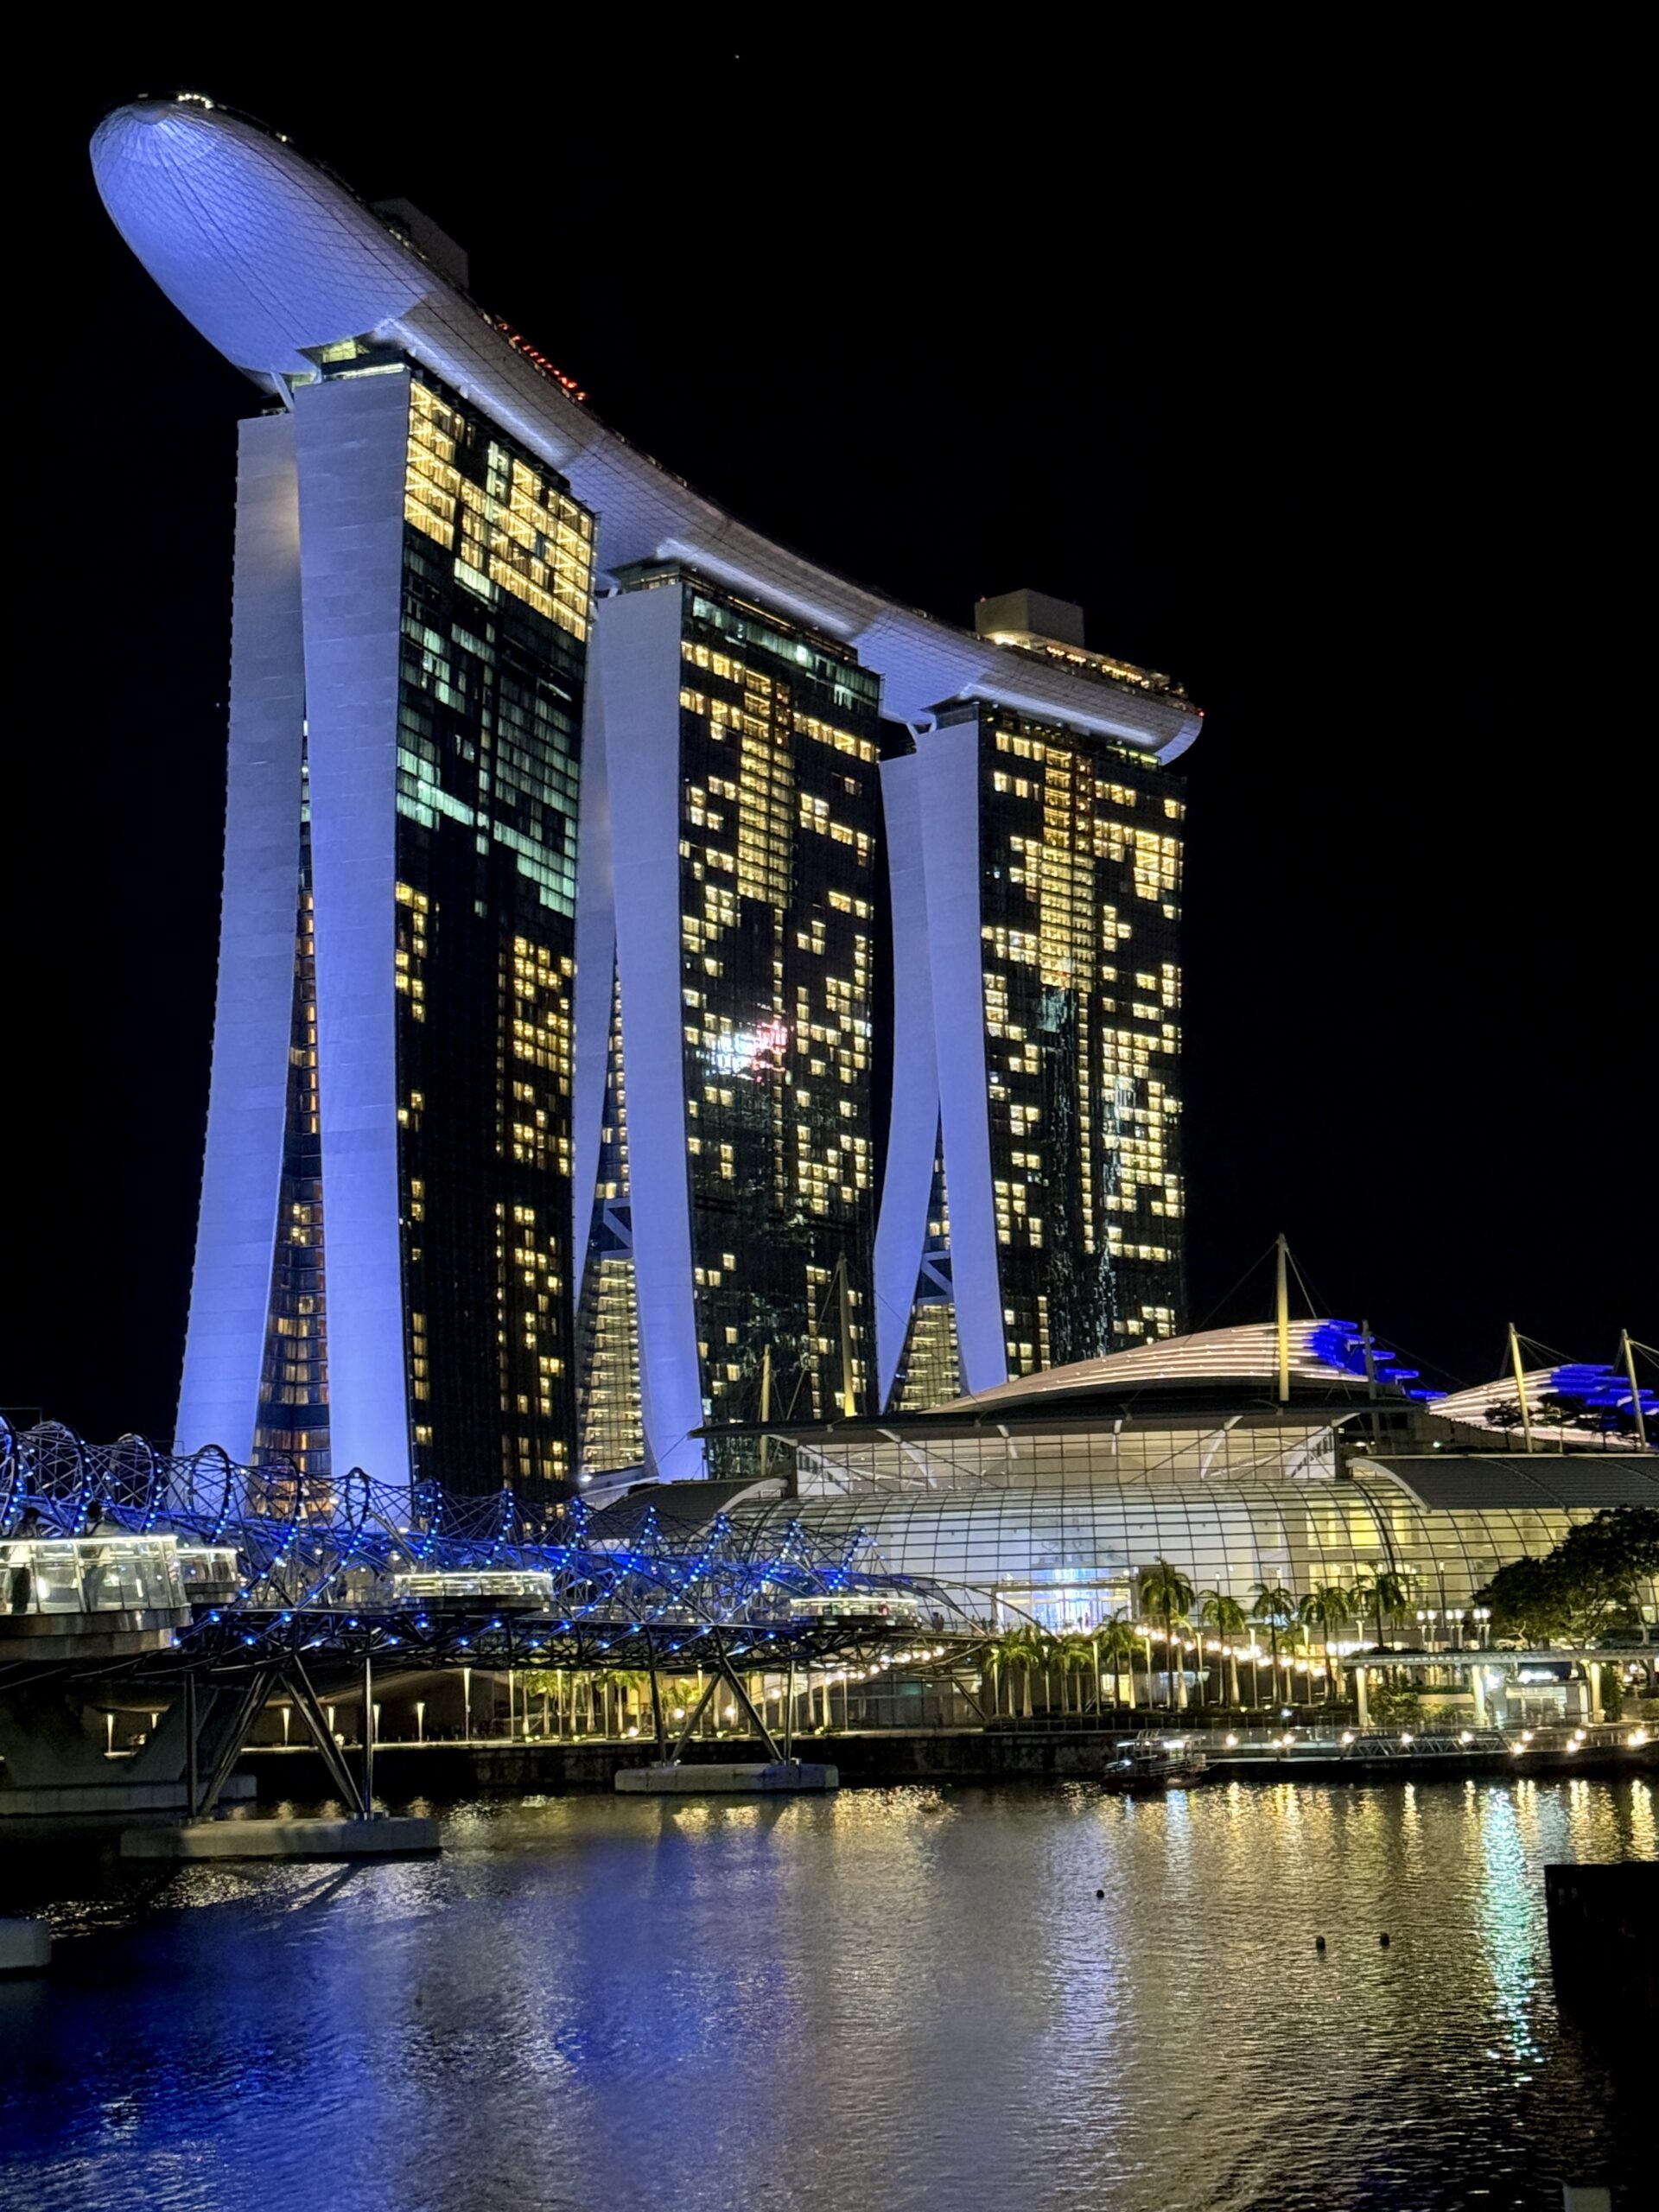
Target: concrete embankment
{"x": 25, "y": 1946}
{"x": 323, "y": 1840}
{"x": 448, "y": 1772}
{"x": 1604, "y": 1936}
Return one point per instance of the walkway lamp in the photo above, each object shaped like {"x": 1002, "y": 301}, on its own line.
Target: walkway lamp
{"x": 420, "y": 1720}
{"x": 466, "y": 1705}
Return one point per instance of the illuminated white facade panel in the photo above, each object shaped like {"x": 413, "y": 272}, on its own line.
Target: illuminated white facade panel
{"x": 231, "y": 1290}
{"x": 352, "y": 439}
{"x": 636, "y": 653}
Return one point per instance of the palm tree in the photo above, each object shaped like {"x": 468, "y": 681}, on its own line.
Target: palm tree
{"x": 1326, "y": 1606}
{"x": 1167, "y": 1590}
{"x": 1116, "y": 1640}
{"x": 1275, "y": 1607}
{"x": 616, "y": 1685}
{"x": 1019, "y": 1647}
{"x": 1385, "y": 1593}
{"x": 1075, "y": 1653}
{"x": 1226, "y": 1616}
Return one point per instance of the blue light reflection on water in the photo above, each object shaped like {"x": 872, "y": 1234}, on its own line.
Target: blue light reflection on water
{"x": 910, "y": 1996}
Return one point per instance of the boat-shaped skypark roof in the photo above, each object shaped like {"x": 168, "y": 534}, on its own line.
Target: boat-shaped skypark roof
{"x": 273, "y": 259}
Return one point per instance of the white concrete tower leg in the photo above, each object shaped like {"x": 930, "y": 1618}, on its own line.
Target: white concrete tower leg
{"x": 635, "y": 658}
{"x": 353, "y": 439}
{"x": 236, "y": 1235}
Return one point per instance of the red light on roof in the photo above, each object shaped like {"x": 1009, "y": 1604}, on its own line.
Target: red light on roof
{"x": 522, "y": 345}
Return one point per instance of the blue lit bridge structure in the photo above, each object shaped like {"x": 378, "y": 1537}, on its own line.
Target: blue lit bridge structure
{"x": 121, "y": 1563}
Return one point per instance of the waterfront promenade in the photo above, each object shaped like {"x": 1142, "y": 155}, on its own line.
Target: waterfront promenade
{"x": 497, "y": 1765}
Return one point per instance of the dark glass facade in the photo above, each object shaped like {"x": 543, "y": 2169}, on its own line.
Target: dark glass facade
{"x": 1080, "y": 865}
{"x": 779, "y": 817}
{"x": 292, "y": 1416}
{"x": 930, "y": 1369}
{"x": 608, "y": 1323}
{"x": 496, "y": 597}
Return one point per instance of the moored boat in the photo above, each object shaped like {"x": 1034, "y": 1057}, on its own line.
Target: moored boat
{"x": 1147, "y": 1769}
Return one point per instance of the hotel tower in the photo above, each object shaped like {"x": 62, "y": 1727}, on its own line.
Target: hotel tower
{"x": 541, "y": 1134}
{"x": 1032, "y": 1204}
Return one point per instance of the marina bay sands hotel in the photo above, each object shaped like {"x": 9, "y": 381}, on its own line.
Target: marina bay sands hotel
{"x": 564, "y": 815}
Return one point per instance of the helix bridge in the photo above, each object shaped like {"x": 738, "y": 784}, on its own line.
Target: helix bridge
{"x": 270, "y": 1558}
{"x": 122, "y": 1563}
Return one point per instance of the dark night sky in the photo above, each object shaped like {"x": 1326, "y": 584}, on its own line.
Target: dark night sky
{"x": 1310, "y": 382}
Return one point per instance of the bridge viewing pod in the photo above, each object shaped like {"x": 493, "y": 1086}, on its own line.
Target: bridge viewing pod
{"x": 111, "y": 1596}
{"x": 516, "y": 1588}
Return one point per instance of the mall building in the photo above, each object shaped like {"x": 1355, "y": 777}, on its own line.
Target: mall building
{"x": 1237, "y": 1458}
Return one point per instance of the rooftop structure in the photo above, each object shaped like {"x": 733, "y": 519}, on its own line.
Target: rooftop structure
{"x": 277, "y": 263}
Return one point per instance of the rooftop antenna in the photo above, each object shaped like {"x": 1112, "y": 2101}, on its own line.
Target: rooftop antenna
{"x": 1369, "y": 1347}
{"x": 1520, "y": 1383}
{"x": 1627, "y": 1353}
{"x": 1281, "y": 1311}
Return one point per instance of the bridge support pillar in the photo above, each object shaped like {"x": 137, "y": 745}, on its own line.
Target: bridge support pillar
{"x": 192, "y": 1748}
{"x": 367, "y": 1791}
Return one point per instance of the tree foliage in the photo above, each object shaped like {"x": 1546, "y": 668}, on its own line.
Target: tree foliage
{"x": 1587, "y": 1586}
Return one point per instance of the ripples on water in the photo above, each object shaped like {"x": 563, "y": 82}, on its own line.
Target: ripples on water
{"x": 894, "y": 1999}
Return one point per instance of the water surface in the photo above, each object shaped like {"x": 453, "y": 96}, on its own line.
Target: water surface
{"x": 895, "y": 1999}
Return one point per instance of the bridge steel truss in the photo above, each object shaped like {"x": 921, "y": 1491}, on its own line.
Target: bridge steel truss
{"x": 324, "y": 1568}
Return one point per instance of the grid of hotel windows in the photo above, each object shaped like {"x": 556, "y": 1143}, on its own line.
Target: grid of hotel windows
{"x": 610, "y": 1416}
{"x": 780, "y": 807}
{"x": 292, "y": 1423}
{"x": 1080, "y": 873}
{"x": 497, "y": 583}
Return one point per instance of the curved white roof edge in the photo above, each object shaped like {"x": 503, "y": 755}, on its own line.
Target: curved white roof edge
{"x": 269, "y": 257}
{"x": 1474, "y": 1407}
{"x": 1247, "y": 1353}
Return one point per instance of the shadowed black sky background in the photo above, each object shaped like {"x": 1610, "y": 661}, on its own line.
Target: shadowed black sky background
{"x": 1310, "y": 373}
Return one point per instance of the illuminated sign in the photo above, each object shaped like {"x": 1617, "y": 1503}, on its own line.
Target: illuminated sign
{"x": 751, "y": 1052}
